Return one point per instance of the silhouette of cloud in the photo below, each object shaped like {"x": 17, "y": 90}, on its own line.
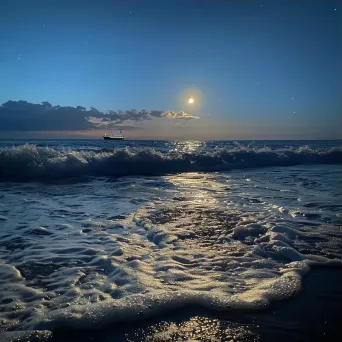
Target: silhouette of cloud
{"x": 26, "y": 116}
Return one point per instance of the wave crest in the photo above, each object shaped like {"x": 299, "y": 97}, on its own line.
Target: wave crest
{"x": 29, "y": 162}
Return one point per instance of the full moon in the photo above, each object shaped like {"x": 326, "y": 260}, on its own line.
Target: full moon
{"x": 191, "y": 100}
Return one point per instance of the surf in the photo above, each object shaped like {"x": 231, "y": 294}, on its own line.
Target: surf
{"x": 33, "y": 163}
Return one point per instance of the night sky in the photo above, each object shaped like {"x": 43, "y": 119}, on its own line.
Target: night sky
{"x": 255, "y": 69}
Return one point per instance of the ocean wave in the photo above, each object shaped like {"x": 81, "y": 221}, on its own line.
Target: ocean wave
{"x": 32, "y": 163}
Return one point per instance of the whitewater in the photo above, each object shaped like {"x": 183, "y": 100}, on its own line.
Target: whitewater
{"x": 95, "y": 233}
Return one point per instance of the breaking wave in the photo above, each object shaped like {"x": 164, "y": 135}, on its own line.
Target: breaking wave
{"x": 32, "y": 163}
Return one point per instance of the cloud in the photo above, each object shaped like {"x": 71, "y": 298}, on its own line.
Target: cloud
{"x": 26, "y": 116}
{"x": 180, "y": 115}
{"x": 111, "y": 118}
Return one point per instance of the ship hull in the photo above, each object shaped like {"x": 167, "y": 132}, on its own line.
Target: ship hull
{"x": 113, "y": 138}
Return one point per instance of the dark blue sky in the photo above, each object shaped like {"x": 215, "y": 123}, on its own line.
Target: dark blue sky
{"x": 256, "y": 69}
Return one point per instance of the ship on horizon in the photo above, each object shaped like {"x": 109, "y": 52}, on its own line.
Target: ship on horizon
{"x": 114, "y": 136}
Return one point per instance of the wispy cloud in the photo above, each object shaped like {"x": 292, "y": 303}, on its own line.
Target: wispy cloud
{"x": 178, "y": 115}
{"x": 112, "y": 118}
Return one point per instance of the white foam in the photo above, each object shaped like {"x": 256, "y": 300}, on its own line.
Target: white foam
{"x": 89, "y": 254}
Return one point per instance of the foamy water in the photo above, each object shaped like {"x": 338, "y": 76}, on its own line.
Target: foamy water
{"x": 226, "y": 227}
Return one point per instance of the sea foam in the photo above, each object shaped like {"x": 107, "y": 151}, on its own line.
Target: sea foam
{"x": 87, "y": 254}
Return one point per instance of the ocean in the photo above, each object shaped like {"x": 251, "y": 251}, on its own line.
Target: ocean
{"x": 170, "y": 240}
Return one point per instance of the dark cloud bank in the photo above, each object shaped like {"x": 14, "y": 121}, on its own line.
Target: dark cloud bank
{"x": 26, "y": 116}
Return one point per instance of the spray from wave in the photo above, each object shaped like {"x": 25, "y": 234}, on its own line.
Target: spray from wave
{"x": 32, "y": 163}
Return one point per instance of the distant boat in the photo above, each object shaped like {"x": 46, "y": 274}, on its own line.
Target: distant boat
{"x": 114, "y": 136}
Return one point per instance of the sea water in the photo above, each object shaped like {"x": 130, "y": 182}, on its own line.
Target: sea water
{"x": 95, "y": 232}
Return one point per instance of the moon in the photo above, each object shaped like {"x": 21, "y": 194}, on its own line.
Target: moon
{"x": 191, "y": 100}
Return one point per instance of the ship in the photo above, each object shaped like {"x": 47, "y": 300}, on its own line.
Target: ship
{"x": 114, "y": 136}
